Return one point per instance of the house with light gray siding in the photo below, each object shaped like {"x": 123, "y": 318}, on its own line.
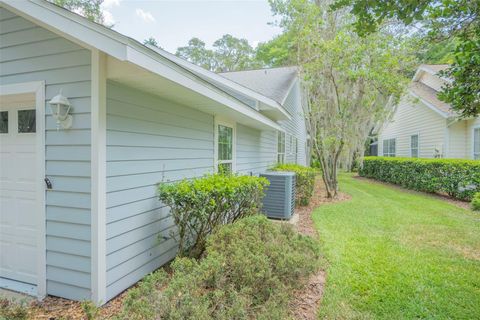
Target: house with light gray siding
{"x": 423, "y": 126}
{"x": 79, "y": 213}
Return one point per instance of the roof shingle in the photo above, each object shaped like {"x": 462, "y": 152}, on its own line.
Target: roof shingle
{"x": 274, "y": 83}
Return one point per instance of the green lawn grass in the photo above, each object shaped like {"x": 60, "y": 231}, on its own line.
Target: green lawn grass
{"x": 397, "y": 255}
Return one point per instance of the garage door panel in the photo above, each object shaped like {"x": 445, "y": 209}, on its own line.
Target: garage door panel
{"x": 18, "y": 203}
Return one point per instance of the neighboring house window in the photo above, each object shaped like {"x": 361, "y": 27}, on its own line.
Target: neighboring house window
{"x": 295, "y": 148}
{"x": 389, "y": 148}
{"x": 414, "y": 146}
{"x": 476, "y": 143}
{"x": 225, "y": 148}
{"x": 291, "y": 144}
{"x": 281, "y": 147}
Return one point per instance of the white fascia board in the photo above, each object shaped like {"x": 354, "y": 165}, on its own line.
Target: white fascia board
{"x": 192, "y": 82}
{"x": 429, "y": 105}
{"x": 93, "y": 36}
{"x": 294, "y": 81}
{"x": 423, "y": 69}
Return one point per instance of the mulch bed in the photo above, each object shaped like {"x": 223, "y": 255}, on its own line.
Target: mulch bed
{"x": 304, "y": 306}
{"x": 443, "y": 197}
{"x": 307, "y": 300}
{"x": 54, "y": 308}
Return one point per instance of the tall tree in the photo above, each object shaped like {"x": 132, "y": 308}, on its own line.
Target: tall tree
{"x": 276, "y": 52}
{"x": 233, "y": 54}
{"x": 90, "y": 9}
{"x": 349, "y": 79}
{"x": 228, "y": 54}
{"x": 197, "y": 53}
{"x": 152, "y": 42}
{"x": 442, "y": 19}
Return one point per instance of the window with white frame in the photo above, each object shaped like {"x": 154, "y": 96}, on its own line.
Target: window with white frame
{"x": 225, "y": 148}
{"x": 281, "y": 147}
{"x": 389, "y": 148}
{"x": 295, "y": 149}
{"x": 414, "y": 146}
{"x": 476, "y": 143}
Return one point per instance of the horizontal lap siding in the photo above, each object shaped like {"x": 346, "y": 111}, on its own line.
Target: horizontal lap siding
{"x": 457, "y": 140}
{"x": 256, "y": 150}
{"x": 296, "y": 126}
{"x": 413, "y": 117}
{"x": 149, "y": 140}
{"x": 30, "y": 53}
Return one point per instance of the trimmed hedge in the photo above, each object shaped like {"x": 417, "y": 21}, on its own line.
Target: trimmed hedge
{"x": 199, "y": 205}
{"x": 476, "y": 202}
{"x": 458, "y": 178}
{"x": 304, "y": 181}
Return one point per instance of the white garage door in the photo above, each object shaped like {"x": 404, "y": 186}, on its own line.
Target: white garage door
{"x": 18, "y": 204}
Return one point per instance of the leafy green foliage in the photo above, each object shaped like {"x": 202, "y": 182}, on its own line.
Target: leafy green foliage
{"x": 200, "y": 205}
{"x": 90, "y": 9}
{"x": 276, "y": 52}
{"x": 249, "y": 271}
{"x": 13, "y": 310}
{"x": 304, "y": 181}
{"x": 442, "y": 19}
{"x": 92, "y": 312}
{"x": 152, "y": 42}
{"x": 476, "y": 201}
{"x": 228, "y": 54}
{"x": 464, "y": 92}
{"x": 457, "y": 178}
{"x": 395, "y": 254}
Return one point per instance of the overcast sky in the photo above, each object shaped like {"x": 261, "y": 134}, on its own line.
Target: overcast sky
{"x": 173, "y": 23}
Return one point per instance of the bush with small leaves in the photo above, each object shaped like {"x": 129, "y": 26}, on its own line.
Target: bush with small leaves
{"x": 250, "y": 271}
{"x": 476, "y": 202}
{"x": 200, "y": 205}
{"x": 304, "y": 181}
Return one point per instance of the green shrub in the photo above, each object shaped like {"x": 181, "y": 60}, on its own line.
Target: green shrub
{"x": 476, "y": 202}
{"x": 457, "y": 178}
{"x": 13, "y": 310}
{"x": 249, "y": 271}
{"x": 200, "y": 205}
{"x": 304, "y": 181}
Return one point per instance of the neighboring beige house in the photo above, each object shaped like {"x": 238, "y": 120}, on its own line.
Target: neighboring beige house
{"x": 425, "y": 127}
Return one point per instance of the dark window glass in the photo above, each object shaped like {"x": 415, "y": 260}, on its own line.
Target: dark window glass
{"x": 4, "y": 122}
{"x": 26, "y": 121}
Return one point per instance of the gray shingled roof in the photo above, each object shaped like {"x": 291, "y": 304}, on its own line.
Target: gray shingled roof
{"x": 273, "y": 83}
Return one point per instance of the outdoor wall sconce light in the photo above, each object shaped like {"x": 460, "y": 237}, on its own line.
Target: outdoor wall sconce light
{"x": 60, "y": 107}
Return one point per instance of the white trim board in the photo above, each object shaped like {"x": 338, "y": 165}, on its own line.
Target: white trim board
{"x": 98, "y": 178}
{"x": 37, "y": 88}
{"x": 233, "y": 125}
{"x": 473, "y": 140}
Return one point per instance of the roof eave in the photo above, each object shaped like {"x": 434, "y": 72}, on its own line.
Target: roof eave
{"x": 124, "y": 49}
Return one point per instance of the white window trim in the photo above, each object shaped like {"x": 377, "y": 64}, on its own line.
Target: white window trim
{"x": 473, "y": 139}
{"x": 37, "y": 88}
{"x": 284, "y": 147}
{"x": 418, "y": 145}
{"x": 383, "y": 149}
{"x": 98, "y": 178}
{"x": 227, "y": 123}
